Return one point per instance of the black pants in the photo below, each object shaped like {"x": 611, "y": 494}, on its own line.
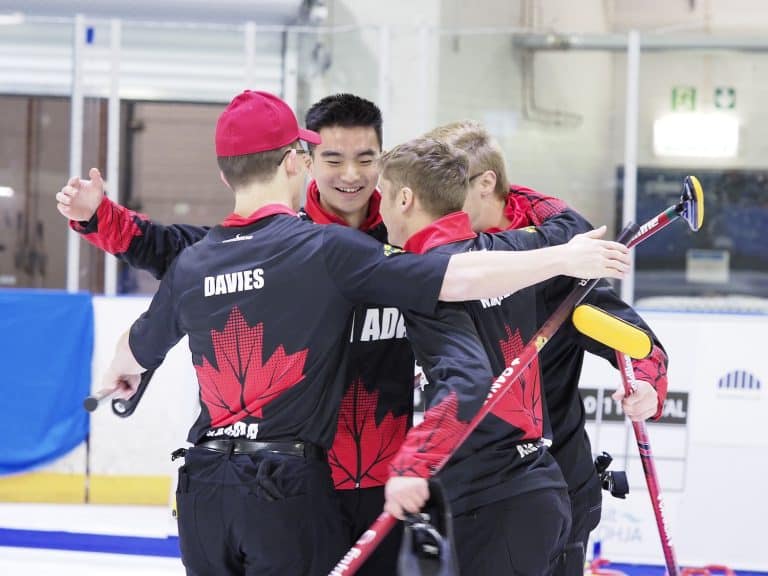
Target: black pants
{"x": 265, "y": 514}
{"x": 586, "y": 507}
{"x": 522, "y": 535}
{"x": 360, "y": 508}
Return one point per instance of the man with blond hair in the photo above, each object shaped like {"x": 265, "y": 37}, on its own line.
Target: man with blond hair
{"x": 493, "y": 205}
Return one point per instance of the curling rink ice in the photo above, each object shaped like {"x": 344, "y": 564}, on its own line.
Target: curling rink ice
{"x": 26, "y": 561}
{"x": 44, "y": 527}
{"x": 82, "y": 540}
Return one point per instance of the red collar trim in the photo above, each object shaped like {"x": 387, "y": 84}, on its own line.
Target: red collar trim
{"x": 320, "y": 215}
{"x": 515, "y": 210}
{"x": 451, "y": 228}
{"x": 235, "y": 220}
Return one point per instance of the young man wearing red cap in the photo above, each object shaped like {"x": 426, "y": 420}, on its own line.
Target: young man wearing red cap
{"x": 377, "y": 406}
{"x": 265, "y": 299}
{"x": 493, "y": 204}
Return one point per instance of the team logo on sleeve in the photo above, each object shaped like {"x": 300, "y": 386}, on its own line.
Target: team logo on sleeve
{"x": 389, "y": 250}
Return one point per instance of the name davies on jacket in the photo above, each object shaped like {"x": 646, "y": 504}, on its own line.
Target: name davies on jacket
{"x": 240, "y": 281}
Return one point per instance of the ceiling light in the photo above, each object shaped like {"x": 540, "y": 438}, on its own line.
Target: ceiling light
{"x": 11, "y": 18}
{"x": 696, "y": 135}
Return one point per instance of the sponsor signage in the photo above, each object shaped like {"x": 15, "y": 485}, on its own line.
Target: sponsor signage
{"x": 599, "y": 402}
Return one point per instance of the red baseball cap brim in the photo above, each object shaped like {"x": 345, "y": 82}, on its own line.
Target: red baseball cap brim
{"x": 309, "y": 136}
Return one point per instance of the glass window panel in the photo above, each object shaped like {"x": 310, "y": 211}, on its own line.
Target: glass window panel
{"x": 170, "y": 172}
{"x": 34, "y": 166}
{"x": 728, "y": 257}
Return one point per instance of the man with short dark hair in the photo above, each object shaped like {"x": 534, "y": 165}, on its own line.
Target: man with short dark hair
{"x": 377, "y": 407}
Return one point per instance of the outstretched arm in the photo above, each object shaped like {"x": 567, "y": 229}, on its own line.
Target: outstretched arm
{"x": 130, "y": 236}
{"x": 367, "y": 271}
{"x": 473, "y": 275}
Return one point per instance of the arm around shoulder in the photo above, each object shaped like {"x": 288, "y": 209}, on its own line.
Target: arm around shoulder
{"x": 486, "y": 274}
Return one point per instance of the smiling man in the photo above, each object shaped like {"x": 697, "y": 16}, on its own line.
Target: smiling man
{"x": 377, "y": 408}
{"x": 344, "y": 165}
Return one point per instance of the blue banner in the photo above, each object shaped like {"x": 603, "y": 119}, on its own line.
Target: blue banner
{"x": 46, "y": 338}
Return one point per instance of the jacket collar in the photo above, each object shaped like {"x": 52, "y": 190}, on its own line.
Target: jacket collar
{"x": 453, "y": 227}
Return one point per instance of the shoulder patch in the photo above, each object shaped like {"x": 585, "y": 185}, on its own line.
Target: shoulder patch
{"x": 389, "y": 250}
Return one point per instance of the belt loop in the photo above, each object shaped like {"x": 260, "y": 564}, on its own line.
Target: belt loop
{"x": 178, "y": 453}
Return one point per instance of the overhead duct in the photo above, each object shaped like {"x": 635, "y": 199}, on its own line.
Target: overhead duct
{"x": 649, "y": 42}
{"x": 218, "y": 11}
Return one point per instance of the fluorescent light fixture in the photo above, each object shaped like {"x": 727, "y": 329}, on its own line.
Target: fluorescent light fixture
{"x": 6, "y": 192}
{"x": 696, "y": 135}
{"x": 11, "y": 18}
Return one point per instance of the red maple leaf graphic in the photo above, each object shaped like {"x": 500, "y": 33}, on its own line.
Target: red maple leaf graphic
{"x": 429, "y": 445}
{"x": 361, "y": 450}
{"x": 521, "y": 405}
{"x": 243, "y": 384}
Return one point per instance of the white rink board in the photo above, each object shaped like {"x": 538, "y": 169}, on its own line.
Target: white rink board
{"x": 712, "y": 468}
{"x": 142, "y": 443}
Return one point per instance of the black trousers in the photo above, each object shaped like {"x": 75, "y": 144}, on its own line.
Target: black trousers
{"x": 359, "y": 509}
{"x": 264, "y": 513}
{"x": 522, "y": 535}
{"x": 586, "y": 508}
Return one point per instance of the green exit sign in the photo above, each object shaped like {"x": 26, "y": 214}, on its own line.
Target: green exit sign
{"x": 683, "y": 98}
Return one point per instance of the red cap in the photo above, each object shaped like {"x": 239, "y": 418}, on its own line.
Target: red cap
{"x": 257, "y": 122}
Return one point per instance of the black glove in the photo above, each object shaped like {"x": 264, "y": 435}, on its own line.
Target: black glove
{"x": 614, "y": 481}
{"x": 427, "y": 548}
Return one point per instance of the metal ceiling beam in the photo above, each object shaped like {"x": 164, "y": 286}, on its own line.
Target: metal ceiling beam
{"x": 649, "y": 42}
